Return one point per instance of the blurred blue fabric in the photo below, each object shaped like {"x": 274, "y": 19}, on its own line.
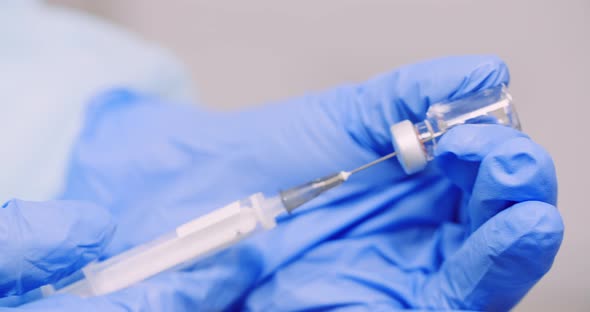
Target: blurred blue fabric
{"x": 52, "y": 61}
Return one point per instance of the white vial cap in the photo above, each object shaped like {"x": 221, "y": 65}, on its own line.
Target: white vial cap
{"x": 410, "y": 152}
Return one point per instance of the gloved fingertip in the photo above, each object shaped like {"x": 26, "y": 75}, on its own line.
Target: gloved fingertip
{"x": 521, "y": 245}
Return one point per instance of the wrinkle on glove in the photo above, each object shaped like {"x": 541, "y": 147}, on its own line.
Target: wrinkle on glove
{"x": 41, "y": 243}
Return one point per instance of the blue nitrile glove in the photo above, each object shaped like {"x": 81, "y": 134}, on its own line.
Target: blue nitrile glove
{"x": 475, "y": 230}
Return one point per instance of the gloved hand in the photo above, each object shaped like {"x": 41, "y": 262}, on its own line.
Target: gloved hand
{"x": 475, "y": 230}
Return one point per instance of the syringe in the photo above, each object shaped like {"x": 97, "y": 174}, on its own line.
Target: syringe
{"x": 194, "y": 240}
{"x": 413, "y": 144}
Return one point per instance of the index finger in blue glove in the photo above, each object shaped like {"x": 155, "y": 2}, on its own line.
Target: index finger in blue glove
{"x": 408, "y": 92}
{"x": 41, "y": 242}
{"x": 368, "y": 110}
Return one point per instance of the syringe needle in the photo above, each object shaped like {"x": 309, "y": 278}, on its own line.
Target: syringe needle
{"x": 374, "y": 162}
{"x": 299, "y": 195}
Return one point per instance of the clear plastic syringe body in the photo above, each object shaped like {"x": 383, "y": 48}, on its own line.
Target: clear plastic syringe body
{"x": 415, "y": 144}
{"x": 187, "y": 244}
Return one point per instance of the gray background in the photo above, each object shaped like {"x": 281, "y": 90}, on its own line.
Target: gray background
{"x": 247, "y": 52}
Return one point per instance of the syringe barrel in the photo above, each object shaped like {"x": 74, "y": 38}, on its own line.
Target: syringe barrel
{"x": 190, "y": 242}
{"x": 416, "y": 144}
